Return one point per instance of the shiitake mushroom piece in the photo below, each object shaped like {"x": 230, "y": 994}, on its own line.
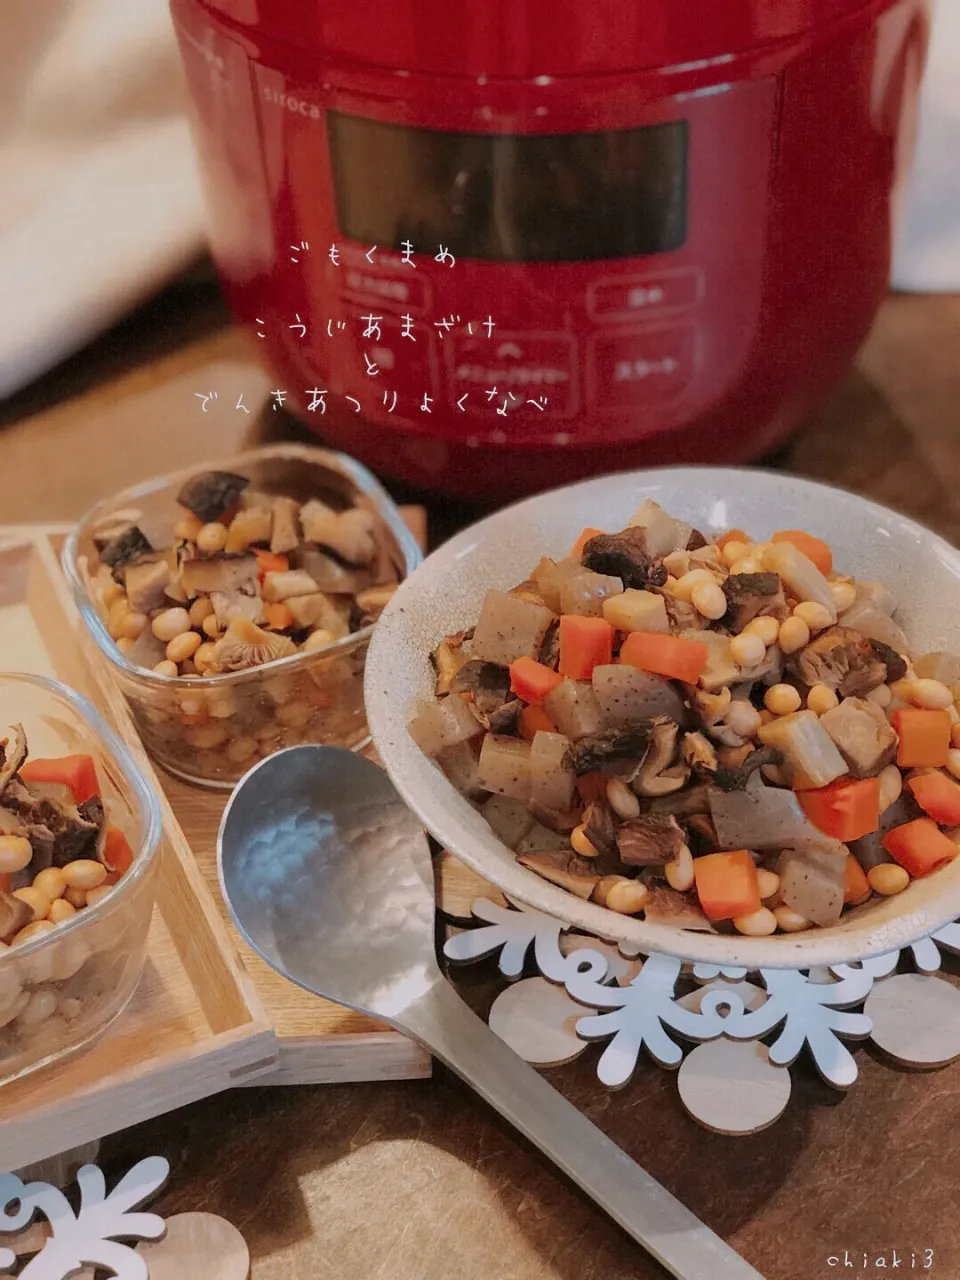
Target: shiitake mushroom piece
{"x": 125, "y": 547}
{"x": 211, "y": 493}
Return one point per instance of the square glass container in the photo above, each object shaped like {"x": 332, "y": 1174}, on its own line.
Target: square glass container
{"x": 211, "y": 729}
{"x": 62, "y": 990}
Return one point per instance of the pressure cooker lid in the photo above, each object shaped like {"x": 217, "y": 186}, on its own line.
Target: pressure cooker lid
{"x": 526, "y": 38}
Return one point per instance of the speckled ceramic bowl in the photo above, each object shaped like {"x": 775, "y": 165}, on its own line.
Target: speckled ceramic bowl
{"x": 444, "y": 594}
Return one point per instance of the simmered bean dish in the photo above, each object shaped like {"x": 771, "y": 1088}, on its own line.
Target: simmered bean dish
{"x": 59, "y": 853}
{"x": 720, "y": 735}
{"x": 60, "y": 856}
{"x": 222, "y": 591}
{"x": 242, "y": 579}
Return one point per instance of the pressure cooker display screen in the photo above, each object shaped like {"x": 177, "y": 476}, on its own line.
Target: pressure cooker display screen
{"x": 510, "y": 197}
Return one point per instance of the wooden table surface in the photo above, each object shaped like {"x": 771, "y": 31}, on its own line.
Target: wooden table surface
{"x": 403, "y": 1181}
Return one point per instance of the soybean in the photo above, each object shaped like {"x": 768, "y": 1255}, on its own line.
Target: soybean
{"x": 50, "y": 883}
{"x": 747, "y": 650}
{"x": 60, "y": 910}
{"x": 170, "y": 623}
{"x": 790, "y": 921}
{"x": 768, "y": 883}
{"x": 782, "y": 699}
{"x": 758, "y": 924}
{"x": 887, "y": 879}
{"x": 816, "y": 616}
{"x": 84, "y": 874}
{"x": 679, "y": 871}
{"x": 768, "y": 629}
{"x": 183, "y": 646}
{"x": 794, "y": 634}
{"x": 627, "y": 897}
{"x": 15, "y": 854}
{"x": 581, "y": 845}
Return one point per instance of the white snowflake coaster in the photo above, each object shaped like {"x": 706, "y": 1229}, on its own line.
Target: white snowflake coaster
{"x": 808, "y": 1014}
{"x": 748, "y": 1034}
{"x": 64, "y": 1244}
{"x": 641, "y": 1016}
{"x": 92, "y": 1236}
{"x": 513, "y": 933}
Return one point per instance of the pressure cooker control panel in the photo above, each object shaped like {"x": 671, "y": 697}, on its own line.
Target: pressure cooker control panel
{"x": 603, "y": 279}
{"x": 636, "y": 345}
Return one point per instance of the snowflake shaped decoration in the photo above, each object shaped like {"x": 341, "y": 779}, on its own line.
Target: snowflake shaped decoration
{"x": 93, "y": 1235}
{"x": 819, "y": 1009}
{"x": 809, "y": 1014}
{"x": 513, "y": 933}
{"x": 641, "y": 1016}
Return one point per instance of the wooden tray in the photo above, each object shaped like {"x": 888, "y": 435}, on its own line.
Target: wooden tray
{"x": 318, "y": 1042}
{"x": 196, "y": 1025}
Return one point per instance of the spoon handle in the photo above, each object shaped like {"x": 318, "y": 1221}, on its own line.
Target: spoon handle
{"x": 647, "y": 1211}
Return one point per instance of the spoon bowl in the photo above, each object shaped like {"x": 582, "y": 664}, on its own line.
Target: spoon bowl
{"x": 328, "y": 876}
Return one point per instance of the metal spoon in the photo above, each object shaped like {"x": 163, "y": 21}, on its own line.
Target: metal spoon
{"x": 327, "y": 875}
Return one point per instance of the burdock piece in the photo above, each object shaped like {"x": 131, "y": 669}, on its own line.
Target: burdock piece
{"x": 211, "y": 493}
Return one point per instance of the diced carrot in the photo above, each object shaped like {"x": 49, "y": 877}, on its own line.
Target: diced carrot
{"x": 581, "y": 542}
{"x": 117, "y": 852}
{"x": 920, "y": 847}
{"x": 278, "y": 616}
{"x": 846, "y": 809}
{"x": 271, "y": 562}
{"x": 533, "y": 720}
{"x": 937, "y": 795}
{"x": 924, "y": 737}
{"x": 585, "y": 643}
{"x": 814, "y": 549}
{"x": 79, "y": 773}
{"x": 590, "y": 786}
{"x": 856, "y": 886}
{"x": 733, "y": 535}
{"x": 531, "y": 680}
{"x": 727, "y": 884}
{"x": 664, "y": 655}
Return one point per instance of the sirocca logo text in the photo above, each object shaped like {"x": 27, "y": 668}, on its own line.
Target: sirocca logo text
{"x": 308, "y": 109}
{"x": 892, "y": 1260}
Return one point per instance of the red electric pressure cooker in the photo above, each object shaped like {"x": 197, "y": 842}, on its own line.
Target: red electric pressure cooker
{"x": 493, "y": 247}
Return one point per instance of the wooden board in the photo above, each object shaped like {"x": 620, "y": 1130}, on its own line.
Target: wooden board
{"x": 196, "y": 1025}
{"x": 318, "y": 1042}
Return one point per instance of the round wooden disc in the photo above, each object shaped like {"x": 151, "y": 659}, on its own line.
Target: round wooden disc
{"x": 916, "y": 1019}
{"x": 536, "y": 1018}
{"x": 197, "y": 1246}
{"x": 732, "y": 1087}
